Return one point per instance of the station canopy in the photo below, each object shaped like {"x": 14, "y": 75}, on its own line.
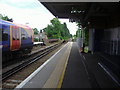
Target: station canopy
{"x": 94, "y": 14}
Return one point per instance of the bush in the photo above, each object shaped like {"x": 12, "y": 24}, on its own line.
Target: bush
{"x": 36, "y": 39}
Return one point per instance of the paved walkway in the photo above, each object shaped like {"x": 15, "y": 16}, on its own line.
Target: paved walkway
{"x": 68, "y": 68}
{"x": 76, "y": 74}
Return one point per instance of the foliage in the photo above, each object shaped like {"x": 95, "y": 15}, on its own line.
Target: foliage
{"x": 74, "y": 38}
{"x": 35, "y": 31}
{"x": 36, "y": 39}
{"x": 71, "y": 35}
{"x": 86, "y": 34}
{"x": 56, "y": 30}
{"x": 78, "y": 24}
{"x": 85, "y": 31}
{"x": 6, "y": 18}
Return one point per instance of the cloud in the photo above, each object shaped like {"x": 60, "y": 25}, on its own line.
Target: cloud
{"x": 71, "y": 26}
{"x": 33, "y": 13}
{"x": 20, "y": 3}
{"x": 36, "y": 17}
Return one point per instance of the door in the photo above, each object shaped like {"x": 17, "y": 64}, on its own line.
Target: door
{"x": 15, "y": 38}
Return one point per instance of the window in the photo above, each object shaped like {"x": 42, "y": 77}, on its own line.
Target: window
{"x": 4, "y": 33}
{"x": 4, "y": 36}
{"x": 18, "y": 34}
{"x": 24, "y": 34}
{"x": 14, "y": 33}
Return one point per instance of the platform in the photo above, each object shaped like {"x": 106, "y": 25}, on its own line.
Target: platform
{"x": 76, "y": 74}
{"x": 68, "y": 68}
{"x": 49, "y": 74}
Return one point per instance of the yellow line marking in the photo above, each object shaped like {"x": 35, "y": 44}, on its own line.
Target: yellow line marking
{"x": 63, "y": 73}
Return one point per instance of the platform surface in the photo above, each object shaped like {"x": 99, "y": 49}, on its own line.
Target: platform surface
{"x": 76, "y": 74}
{"x": 49, "y": 74}
{"x": 68, "y": 68}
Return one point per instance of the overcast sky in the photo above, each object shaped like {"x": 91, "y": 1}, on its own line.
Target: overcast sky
{"x": 32, "y": 12}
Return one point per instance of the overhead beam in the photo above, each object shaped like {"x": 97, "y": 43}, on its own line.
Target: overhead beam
{"x": 90, "y": 11}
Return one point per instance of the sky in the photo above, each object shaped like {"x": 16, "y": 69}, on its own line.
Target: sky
{"x": 31, "y": 13}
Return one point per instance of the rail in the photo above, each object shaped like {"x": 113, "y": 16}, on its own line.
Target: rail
{"x": 44, "y": 52}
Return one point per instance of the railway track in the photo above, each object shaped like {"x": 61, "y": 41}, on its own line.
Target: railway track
{"x": 24, "y": 57}
{"x": 19, "y": 67}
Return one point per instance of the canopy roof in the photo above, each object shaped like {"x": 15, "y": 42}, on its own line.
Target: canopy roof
{"x": 96, "y": 14}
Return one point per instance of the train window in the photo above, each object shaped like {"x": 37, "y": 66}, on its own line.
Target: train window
{"x": 18, "y": 34}
{"x": 4, "y": 35}
{"x": 24, "y": 34}
{"x": 14, "y": 33}
{"x": 5, "y": 30}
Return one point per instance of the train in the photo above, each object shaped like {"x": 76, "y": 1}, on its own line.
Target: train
{"x": 15, "y": 39}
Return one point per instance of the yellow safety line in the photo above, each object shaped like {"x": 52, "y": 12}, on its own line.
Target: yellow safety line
{"x": 63, "y": 73}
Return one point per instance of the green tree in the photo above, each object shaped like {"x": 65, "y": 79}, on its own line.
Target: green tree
{"x": 66, "y": 33}
{"x": 56, "y": 30}
{"x": 86, "y": 35}
{"x": 71, "y": 35}
{"x": 6, "y": 18}
{"x": 57, "y": 27}
{"x": 35, "y": 31}
{"x": 80, "y": 32}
